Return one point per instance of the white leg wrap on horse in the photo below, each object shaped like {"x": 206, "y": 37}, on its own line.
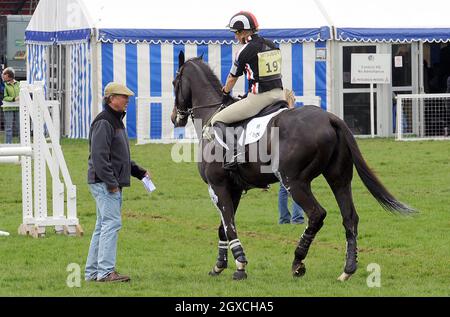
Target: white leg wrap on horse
{"x": 344, "y": 277}
{"x": 235, "y": 243}
{"x": 223, "y": 245}
{"x": 240, "y": 266}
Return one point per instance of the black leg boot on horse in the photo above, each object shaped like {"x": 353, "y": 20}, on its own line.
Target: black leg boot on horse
{"x": 351, "y": 258}
{"x": 222, "y": 258}
{"x": 240, "y": 260}
{"x": 298, "y": 267}
{"x": 303, "y": 196}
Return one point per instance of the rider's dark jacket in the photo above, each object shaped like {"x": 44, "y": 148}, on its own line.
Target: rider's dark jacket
{"x": 247, "y": 61}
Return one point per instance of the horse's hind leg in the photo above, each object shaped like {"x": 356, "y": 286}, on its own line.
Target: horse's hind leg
{"x": 339, "y": 176}
{"x": 301, "y": 193}
{"x": 350, "y": 222}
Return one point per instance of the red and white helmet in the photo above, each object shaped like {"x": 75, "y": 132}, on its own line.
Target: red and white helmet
{"x": 243, "y": 20}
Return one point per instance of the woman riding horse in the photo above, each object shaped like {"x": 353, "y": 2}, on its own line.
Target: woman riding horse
{"x": 305, "y": 142}
{"x": 261, "y": 59}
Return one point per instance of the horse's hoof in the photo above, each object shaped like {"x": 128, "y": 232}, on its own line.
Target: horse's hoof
{"x": 216, "y": 271}
{"x": 344, "y": 277}
{"x": 351, "y": 267}
{"x": 299, "y": 270}
{"x": 239, "y": 275}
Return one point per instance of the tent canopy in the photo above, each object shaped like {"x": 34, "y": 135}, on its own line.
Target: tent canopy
{"x": 389, "y": 20}
{"x": 203, "y": 21}
{"x": 199, "y": 21}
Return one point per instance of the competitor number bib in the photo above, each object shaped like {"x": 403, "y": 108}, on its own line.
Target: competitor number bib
{"x": 269, "y": 64}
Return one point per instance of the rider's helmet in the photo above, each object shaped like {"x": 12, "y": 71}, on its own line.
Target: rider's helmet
{"x": 243, "y": 20}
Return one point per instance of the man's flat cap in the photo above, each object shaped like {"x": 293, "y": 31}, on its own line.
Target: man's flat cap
{"x": 117, "y": 89}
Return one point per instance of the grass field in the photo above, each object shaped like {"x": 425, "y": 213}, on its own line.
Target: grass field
{"x": 168, "y": 242}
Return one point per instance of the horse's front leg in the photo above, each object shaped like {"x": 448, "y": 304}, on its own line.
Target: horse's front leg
{"x": 223, "y": 200}
{"x": 222, "y": 258}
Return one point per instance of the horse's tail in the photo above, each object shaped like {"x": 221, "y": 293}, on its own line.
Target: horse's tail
{"x": 370, "y": 180}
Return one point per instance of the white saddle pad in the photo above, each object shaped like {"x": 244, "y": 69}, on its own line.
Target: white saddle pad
{"x": 254, "y": 130}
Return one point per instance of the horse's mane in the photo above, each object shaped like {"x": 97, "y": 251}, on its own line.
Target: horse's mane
{"x": 210, "y": 76}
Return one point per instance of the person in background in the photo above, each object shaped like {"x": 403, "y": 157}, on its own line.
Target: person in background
{"x": 283, "y": 209}
{"x": 110, "y": 168}
{"x": 2, "y": 89}
{"x": 2, "y": 86}
{"x": 10, "y": 103}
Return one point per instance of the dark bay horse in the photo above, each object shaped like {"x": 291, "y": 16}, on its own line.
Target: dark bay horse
{"x": 311, "y": 142}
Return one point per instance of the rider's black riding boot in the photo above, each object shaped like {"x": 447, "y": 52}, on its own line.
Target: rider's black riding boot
{"x": 233, "y": 162}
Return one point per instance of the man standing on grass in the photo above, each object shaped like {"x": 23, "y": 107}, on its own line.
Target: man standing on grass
{"x": 110, "y": 168}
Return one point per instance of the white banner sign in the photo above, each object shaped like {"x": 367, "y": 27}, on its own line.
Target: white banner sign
{"x": 371, "y": 69}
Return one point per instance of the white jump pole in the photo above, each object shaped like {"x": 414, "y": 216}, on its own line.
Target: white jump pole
{"x": 9, "y": 160}
{"x": 26, "y": 105}
{"x": 16, "y": 151}
{"x": 58, "y": 186}
{"x": 4, "y": 234}
{"x": 40, "y": 172}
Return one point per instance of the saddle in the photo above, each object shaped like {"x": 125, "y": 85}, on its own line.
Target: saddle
{"x": 250, "y": 130}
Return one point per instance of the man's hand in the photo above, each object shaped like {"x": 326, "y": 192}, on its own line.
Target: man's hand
{"x": 114, "y": 190}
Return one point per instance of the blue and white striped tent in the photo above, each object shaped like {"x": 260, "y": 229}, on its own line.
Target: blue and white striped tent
{"x": 136, "y": 42}
{"x": 138, "y": 45}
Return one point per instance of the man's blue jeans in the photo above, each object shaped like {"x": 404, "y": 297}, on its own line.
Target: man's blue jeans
{"x": 101, "y": 260}
{"x": 285, "y": 216}
{"x": 11, "y": 123}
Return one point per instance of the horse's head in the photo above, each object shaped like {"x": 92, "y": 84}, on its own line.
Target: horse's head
{"x": 183, "y": 96}
{"x": 197, "y": 89}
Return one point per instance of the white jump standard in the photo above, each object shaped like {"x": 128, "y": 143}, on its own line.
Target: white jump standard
{"x": 35, "y": 216}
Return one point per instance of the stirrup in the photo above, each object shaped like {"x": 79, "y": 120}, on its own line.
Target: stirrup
{"x": 233, "y": 164}
{"x": 206, "y": 133}
{"x": 230, "y": 166}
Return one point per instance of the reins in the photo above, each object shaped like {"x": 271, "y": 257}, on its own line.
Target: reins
{"x": 190, "y": 110}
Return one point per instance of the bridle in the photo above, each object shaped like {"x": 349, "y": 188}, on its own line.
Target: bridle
{"x": 188, "y": 107}
{"x": 181, "y": 114}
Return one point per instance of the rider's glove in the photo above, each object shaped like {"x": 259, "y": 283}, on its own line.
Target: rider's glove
{"x": 226, "y": 97}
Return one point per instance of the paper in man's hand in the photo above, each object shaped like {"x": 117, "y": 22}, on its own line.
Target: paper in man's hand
{"x": 148, "y": 184}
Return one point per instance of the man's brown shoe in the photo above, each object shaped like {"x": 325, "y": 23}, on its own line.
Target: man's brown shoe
{"x": 115, "y": 277}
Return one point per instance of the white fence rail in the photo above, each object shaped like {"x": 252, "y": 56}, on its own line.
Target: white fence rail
{"x": 423, "y": 117}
